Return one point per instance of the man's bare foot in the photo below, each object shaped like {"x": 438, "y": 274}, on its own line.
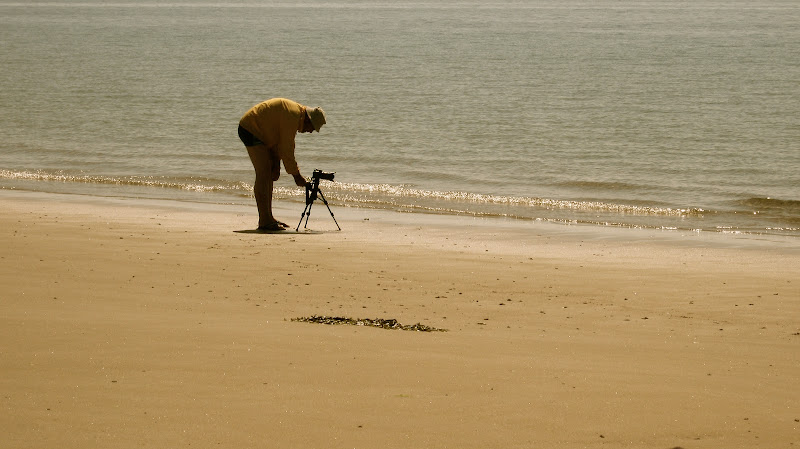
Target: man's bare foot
{"x": 274, "y": 226}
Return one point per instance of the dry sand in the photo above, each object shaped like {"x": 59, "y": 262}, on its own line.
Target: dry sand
{"x": 152, "y": 324}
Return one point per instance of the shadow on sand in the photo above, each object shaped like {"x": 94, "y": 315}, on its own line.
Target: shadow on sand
{"x": 289, "y": 231}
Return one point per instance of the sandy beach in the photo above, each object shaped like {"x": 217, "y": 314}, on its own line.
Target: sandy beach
{"x": 129, "y": 323}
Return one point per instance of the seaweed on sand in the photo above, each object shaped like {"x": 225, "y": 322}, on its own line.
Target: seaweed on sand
{"x": 377, "y": 322}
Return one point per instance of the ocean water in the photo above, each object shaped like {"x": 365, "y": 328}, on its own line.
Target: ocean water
{"x": 644, "y": 114}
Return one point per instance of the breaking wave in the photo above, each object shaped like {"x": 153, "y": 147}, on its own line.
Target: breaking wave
{"x": 189, "y": 184}
{"x": 391, "y": 194}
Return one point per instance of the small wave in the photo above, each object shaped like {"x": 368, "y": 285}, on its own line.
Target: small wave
{"x": 376, "y": 195}
{"x": 767, "y": 203}
{"x": 190, "y": 184}
{"x": 785, "y": 214}
{"x": 395, "y": 191}
{"x": 387, "y": 196}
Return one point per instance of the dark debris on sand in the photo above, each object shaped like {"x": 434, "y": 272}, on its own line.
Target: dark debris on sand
{"x": 377, "y": 322}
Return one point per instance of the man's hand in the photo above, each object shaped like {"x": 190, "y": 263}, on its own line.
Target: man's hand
{"x": 300, "y": 180}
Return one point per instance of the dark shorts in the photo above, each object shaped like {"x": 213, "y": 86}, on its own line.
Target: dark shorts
{"x": 248, "y": 139}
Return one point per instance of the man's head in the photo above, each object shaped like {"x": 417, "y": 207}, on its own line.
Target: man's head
{"x": 315, "y": 118}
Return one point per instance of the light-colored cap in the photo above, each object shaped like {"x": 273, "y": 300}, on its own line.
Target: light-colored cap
{"x": 317, "y": 116}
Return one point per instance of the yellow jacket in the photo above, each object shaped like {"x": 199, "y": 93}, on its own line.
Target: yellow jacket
{"x": 276, "y": 123}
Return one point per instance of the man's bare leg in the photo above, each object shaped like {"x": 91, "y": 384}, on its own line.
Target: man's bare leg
{"x": 262, "y": 189}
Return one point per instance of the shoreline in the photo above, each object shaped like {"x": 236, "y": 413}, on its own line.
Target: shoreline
{"x": 439, "y": 223}
{"x": 759, "y": 220}
{"x": 132, "y": 323}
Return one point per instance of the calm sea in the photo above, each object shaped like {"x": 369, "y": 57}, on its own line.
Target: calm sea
{"x": 645, "y": 113}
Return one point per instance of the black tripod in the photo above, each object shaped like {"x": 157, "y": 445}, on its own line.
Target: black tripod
{"x": 312, "y": 191}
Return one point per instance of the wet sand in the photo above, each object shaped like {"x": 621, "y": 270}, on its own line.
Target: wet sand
{"x": 129, "y": 323}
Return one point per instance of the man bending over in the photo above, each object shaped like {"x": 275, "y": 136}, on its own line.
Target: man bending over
{"x": 268, "y": 130}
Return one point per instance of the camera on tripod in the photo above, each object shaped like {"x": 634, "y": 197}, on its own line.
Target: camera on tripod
{"x": 312, "y": 193}
{"x": 319, "y": 174}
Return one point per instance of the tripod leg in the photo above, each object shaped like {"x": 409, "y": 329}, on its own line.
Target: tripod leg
{"x": 329, "y": 209}
{"x": 307, "y": 209}
{"x": 308, "y": 214}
